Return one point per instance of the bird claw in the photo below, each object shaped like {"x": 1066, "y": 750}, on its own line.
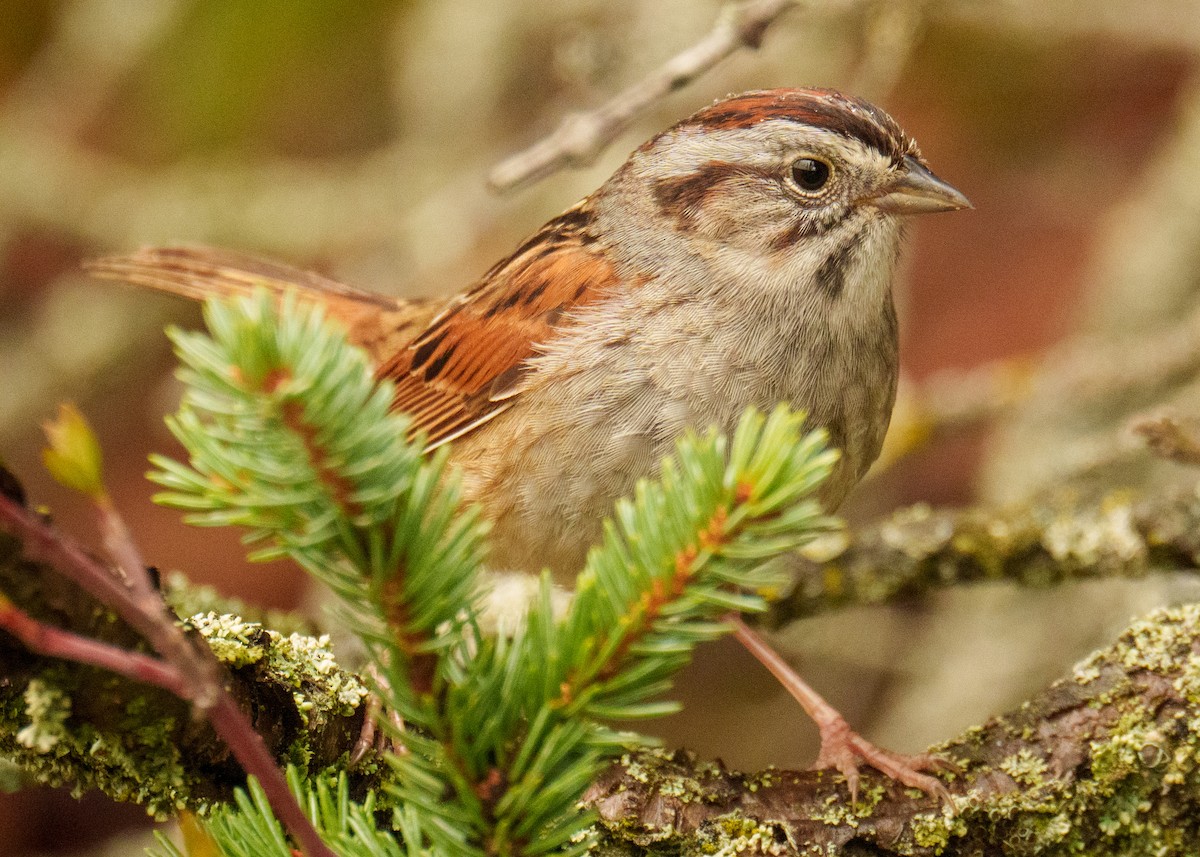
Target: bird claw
{"x": 843, "y": 749}
{"x": 370, "y": 737}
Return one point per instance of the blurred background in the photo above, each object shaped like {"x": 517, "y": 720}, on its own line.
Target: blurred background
{"x": 355, "y": 138}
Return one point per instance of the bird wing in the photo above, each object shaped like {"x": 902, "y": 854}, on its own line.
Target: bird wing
{"x": 453, "y": 370}
{"x": 467, "y": 366}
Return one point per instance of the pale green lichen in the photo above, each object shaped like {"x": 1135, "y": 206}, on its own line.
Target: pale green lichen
{"x": 659, "y": 769}
{"x": 130, "y": 756}
{"x": 634, "y": 769}
{"x": 1106, "y": 536}
{"x": 763, "y": 780}
{"x": 1025, "y": 768}
{"x": 1187, "y": 684}
{"x": 310, "y": 665}
{"x": 840, "y": 812}
{"x": 189, "y": 599}
{"x": 935, "y": 831}
{"x": 47, "y": 709}
{"x": 302, "y": 662}
{"x": 735, "y": 835}
{"x": 826, "y": 547}
{"x": 1161, "y": 640}
{"x": 1088, "y": 670}
{"x": 235, "y": 642}
{"x": 916, "y": 542}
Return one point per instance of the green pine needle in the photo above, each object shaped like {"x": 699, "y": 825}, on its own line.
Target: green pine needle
{"x": 289, "y": 435}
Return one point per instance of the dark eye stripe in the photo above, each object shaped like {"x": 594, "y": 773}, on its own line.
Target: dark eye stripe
{"x": 683, "y": 197}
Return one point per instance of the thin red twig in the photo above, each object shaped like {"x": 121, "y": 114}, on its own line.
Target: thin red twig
{"x": 201, "y": 677}
{"x": 58, "y": 643}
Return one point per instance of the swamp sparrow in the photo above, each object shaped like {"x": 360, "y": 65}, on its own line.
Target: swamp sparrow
{"x": 742, "y": 257}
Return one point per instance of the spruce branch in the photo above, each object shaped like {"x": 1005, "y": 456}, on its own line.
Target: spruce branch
{"x": 246, "y": 827}
{"x": 289, "y": 435}
{"x": 528, "y": 724}
{"x": 688, "y": 549}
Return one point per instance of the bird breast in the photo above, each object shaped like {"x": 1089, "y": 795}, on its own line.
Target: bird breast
{"x": 606, "y": 401}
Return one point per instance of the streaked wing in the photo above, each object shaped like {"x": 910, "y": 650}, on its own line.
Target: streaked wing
{"x": 466, "y": 367}
{"x": 454, "y": 369}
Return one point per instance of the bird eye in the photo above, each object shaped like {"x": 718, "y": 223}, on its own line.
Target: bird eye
{"x": 809, "y": 174}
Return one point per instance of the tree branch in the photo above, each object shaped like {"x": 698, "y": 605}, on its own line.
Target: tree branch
{"x": 580, "y": 137}
{"x": 1103, "y": 762}
{"x": 1046, "y": 541}
{"x": 68, "y": 722}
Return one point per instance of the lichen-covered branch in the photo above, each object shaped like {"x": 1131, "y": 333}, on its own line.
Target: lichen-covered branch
{"x": 68, "y": 723}
{"x": 1046, "y": 541}
{"x": 1103, "y": 762}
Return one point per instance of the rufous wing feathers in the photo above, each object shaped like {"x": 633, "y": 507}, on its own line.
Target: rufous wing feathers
{"x": 455, "y": 369}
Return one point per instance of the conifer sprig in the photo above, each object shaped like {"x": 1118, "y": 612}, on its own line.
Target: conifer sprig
{"x": 688, "y": 548}
{"x": 289, "y": 435}
{"x": 247, "y": 828}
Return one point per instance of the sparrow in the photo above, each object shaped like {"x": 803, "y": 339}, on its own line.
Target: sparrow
{"x": 743, "y": 257}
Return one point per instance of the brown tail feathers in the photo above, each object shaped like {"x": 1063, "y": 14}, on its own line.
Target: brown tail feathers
{"x": 380, "y": 324}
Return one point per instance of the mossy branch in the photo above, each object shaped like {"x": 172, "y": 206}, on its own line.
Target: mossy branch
{"x": 1045, "y": 541}
{"x": 1105, "y": 761}
{"x": 69, "y": 723}
{"x": 1101, "y": 762}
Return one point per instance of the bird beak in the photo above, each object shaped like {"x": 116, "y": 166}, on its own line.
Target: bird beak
{"x": 918, "y": 191}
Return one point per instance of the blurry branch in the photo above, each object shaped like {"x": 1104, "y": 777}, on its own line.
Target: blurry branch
{"x": 891, "y": 32}
{"x": 1103, "y": 762}
{"x": 1048, "y": 540}
{"x": 279, "y": 205}
{"x": 580, "y": 137}
{"x": 1072, "y": 424}
{"x": 1170, "y": 436}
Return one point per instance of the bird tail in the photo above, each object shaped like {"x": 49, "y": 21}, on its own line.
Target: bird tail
{"x": 378, "y": 323}
{"x": 203, "y": 272}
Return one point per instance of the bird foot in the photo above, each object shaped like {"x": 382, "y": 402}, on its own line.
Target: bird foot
{"x": 370, "y": 737}
{"x": 843, "y": 749}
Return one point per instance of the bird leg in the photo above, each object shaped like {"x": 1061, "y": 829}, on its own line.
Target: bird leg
{"x": 370, "y": 738}
{"x": 841, "y": 747}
